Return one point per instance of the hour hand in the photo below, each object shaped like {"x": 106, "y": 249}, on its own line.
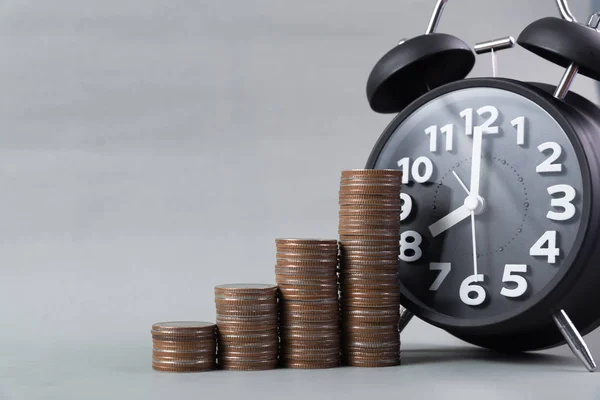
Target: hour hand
{"x": 449, "y": 220}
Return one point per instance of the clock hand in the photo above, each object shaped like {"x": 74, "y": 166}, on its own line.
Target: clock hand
{"x": 473, "y": 237}
{"x": 449, "y": 220}
{"x": 476, "y": 161}
{"x": 461, "y": 182}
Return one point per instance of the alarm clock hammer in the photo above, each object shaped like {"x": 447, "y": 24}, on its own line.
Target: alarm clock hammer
{"x": 489, "y": 164}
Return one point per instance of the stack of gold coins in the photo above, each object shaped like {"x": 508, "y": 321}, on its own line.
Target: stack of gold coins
{"x": 369, "y": 229}
{"x": 247, "y": 319}
{"x": 183, "y": 346}
{"x": 306, "y": 273}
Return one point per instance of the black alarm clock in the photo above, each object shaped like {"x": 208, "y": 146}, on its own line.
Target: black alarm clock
{"x": 500, "y": 232}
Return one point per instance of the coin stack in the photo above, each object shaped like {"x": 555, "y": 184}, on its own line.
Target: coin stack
{"x": 183, "y": 346}
{"x": 306, "y": 273}
{"x": 369, "y": 229}
{"x": 247, "y": 319}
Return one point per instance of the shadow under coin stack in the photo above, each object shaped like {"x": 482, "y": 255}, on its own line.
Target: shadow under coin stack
{"x": 369, "y": 229}
{"x": 247, "y": 317}
{"x": 306, "y": 273}
{"x": 183, "y": 346}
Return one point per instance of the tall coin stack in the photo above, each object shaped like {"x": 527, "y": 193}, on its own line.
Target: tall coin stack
{"x": 306, "y": 273}
{"x": 183, "y": 346}
{"x": 369, "y": 229}
{"x": 247, "y": 318}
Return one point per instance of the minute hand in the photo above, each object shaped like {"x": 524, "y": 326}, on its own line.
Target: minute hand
{"x": 476, "y": 161}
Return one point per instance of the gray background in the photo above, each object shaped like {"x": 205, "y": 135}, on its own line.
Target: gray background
{"x": 151, "y": 149}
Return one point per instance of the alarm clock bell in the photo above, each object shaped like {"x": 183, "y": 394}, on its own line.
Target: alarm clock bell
{"x": 411, "y": 70}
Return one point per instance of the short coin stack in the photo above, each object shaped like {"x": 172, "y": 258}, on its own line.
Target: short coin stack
{"x": 369, "y": 229}
{"x": 183, "y": 346}
{"x": 247, "y": 316}
{"x": 306, "y": 273}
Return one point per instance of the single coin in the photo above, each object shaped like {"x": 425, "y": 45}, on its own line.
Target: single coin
{"x": 320, "y": 273}
{"x": 390, "y": 255}
{"x": 369, "y": 228}
{"x": 247, "y": 299}
{"x": 370, "y": 312}
{"x": 248, "y": 354}
{"x": 175, "y": 344}
{"x": 255, "y": 366}
{"x": 310, "y": 255}
{"x": 373, "y": 238}
{"x": 162, "y": 357}
{"x": 309, "y": 316}
{"x": 368, "y": 232}
{"x": 323, "y": 343}
{"x": 246, "y": 308}
{"x": 174, "y": 352}
{"x": 383, "y": 269}
{"x": 307, "y": 247}
{"x": 372, "y": 172}
{"x": 182, "y": 363}
{"x": 368, "y": 277}
{"x": 293, "y": 336}
{"x": 369, "y": 212}
{"x": 388, "y": 345}
{"x": 328, "y": 307}
{"x": 240, "y": 339}
{"x": 303, "y": 281}
{"x": 372, "y": 267}
{"x": 372, "y": 191}
{"x": 346, "y": 301}
{"x": 183, "y": 328}
{"x": 361, "y": 203}
{"x": 310, "y": 365}
{"x": 326, "y": 264}
{"x": 267, "y": 301}
{"x": 184, "y": 339}
{"x": 392, "y": 219}
{"x": 198, "y": 368}
{"x": 305, "y": 241}
{"x": 353, "y": 257}
{"x": 234, "y": 327}
{"x": 369, "y": 242}
{"x": 358, "y": 339}
{"x": 298, "y": 358}
{"x": 372, "y": 364}
{"x": 367, "y": 354}
{"x": 235, "y": 345}
{"x": 305, "y": 264}
{"x": 385, "y": 184}
{"x": 245, "y": 289}
{"x": 358, "y": 210}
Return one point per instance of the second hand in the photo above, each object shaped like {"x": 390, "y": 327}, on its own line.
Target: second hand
{"x": 474, "y": 239}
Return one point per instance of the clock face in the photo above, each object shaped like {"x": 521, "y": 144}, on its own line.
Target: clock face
{"x": 492, "y": 203}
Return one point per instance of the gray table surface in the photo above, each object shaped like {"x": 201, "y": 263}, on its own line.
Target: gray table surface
{"x": 439, "y": 367}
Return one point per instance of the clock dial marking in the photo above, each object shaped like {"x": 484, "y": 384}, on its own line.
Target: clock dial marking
{"x": 444, "y": 269}
{"x": 551, "y": 251}
{"x": 410, "y": 246}
{"x": 548, "y": 164}
{"x": 406, "y": 204}
{"x": 509, "y": 275}
{"x": 565, "y": 202}
{"x": 421, "y": 170}
{"x": 519, "y": 124}
{"x": 470, "y": 292}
